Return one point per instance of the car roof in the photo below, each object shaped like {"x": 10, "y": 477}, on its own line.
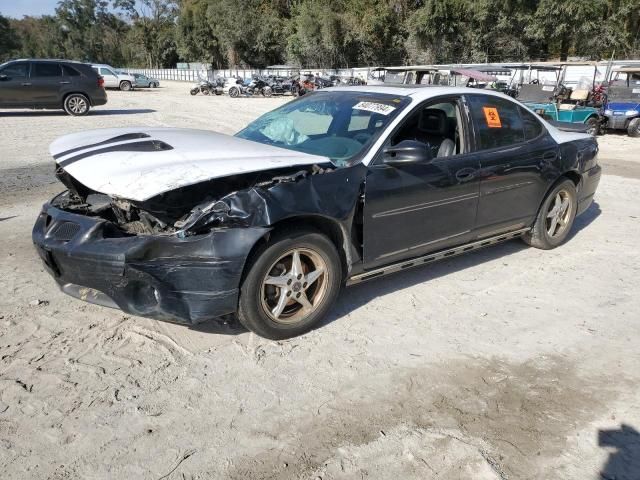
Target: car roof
{"x": 418, "y": 92}
{"x": 45, "y": 60}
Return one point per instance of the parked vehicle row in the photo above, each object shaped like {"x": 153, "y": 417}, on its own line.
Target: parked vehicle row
{"x": 268, "y": 86}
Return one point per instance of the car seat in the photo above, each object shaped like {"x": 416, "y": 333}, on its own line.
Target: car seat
{"x": 433, "y": 127}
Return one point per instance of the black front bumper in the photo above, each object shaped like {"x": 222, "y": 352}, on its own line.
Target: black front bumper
{"x": 184, "y": 280}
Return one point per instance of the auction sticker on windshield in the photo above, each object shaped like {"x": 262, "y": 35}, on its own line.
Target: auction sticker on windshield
{"x": 374, "y": 107}
{"x": 492, "y": 117}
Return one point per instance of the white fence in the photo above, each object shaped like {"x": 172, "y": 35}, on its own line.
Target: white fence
{"x": 184, "y": 75}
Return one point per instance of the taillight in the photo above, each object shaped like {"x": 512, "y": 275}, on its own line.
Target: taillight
{"x": 100, "y": 82}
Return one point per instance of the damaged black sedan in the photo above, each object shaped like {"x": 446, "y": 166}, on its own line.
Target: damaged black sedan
{"x": 337, "y": 187}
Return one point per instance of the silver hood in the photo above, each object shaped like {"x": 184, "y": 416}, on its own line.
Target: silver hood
{"x": 140, "y": 163}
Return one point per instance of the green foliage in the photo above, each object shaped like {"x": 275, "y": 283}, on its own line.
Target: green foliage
{"x": 8, "y": 39}
{"x": 325, "y": 33}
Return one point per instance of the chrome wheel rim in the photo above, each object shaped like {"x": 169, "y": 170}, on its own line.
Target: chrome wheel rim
{"x": 77, "y": 104}
{"x": 558, "y": 214}
{"x": 294, "y": 286}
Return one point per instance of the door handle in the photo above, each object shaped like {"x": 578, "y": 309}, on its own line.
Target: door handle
{"x": 65, "y": 83}
{"x": 26, "y": 84}
{"x": 549, "y": 156}
{"x": 466, "y": 174}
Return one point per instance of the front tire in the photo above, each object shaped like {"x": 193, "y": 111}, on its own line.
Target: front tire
{"x": 292, "y": 282}
{"x": 76, "y": 105}
{"x": 634, "y": 128}
{"x": 234, "y": 92}
{"x": 125, "y": 86}
{"x": 555, "y": 218}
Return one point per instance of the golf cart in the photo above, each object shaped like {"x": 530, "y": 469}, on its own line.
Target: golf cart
{"x": 465, "y": 77}
{"x": 406, "y": 75}
{"x": 622, "y": 111}
{"x": 556, "y": 103}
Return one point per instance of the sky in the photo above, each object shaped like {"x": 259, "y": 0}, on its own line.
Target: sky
{"x": 20, "y": 8}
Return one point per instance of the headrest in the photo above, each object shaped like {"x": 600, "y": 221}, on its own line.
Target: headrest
{"x": 433, "y": 122}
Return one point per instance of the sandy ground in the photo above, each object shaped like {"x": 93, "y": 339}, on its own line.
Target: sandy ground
{"x": 508, "y": 363}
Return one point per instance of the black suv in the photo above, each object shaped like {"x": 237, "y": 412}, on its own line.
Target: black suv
{"x": 52, "y": 84}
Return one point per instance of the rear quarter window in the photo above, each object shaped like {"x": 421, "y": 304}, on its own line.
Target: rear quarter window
{"x": 498, "y": 122}
{"x": 532, "y": 126}
{"x": 70, "y": 71}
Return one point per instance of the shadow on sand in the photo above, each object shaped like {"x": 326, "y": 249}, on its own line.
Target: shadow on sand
{"x": 624, "y": 458}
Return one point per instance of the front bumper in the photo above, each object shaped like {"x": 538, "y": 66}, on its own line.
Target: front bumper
{"x": 618, "y": 122}
{"x": 184, "y": 280}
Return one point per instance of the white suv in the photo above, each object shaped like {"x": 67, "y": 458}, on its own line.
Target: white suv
{"x": 115, "y": 79}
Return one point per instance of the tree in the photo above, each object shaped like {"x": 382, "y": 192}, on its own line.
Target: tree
{"x": 8, "y": 42}
{"x": 195, "y": 37}
{"x": 153, "y": 29}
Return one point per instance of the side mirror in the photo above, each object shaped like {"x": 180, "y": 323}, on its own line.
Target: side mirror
{"x": 3, "y": 78}
{"x": 407, "y": 152}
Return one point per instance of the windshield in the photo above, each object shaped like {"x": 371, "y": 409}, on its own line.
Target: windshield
{"x": 339, "y": 125}
{"x": 394, "y": 77}
{"x": 624, "y": 95}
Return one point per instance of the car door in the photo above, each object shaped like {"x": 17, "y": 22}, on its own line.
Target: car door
{"x": 46, "y": 83}
{"x": 110, "y": 78}
{"x": 421, "y": 207}
{"x": 15, "y": 88}
{"x": 517, "y": 157}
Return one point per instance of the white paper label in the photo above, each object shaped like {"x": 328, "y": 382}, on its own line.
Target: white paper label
{"x": 374, "y": 107}
{"x": 636, "y": 90}
{"x": 548, "y": 88}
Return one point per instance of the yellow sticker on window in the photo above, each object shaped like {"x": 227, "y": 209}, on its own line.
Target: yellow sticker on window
{"x": 492, "y": 117}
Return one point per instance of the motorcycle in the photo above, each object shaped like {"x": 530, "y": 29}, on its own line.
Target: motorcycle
{"x": 258, "y": 86}
{"x": 207, "y": 87}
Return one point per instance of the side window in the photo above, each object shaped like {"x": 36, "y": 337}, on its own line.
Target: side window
{"x": 15, "y": 71}
{"x": 70, "y": 71}
{"x": 41, "y": 70}
{"x": 106, "y": 72}
{"x": 439, "y": 125}
{"x": 497, "y": 121}
{"x": 532, "y": 126}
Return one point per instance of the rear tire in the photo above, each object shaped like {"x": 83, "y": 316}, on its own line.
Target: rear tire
{"x": 205, "y": 91}
{"x": 194, "y": 91}
{"x": 282, "y": 297}
{"x": 555, "y": 218}
{"x": 76, "y": 105}
{"x": 125, "y": 86}
{"x": 234, "y": 92}
{"x": 634, "y": 128}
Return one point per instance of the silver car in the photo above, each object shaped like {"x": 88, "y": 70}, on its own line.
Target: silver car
{"x": 144, "y": 81}
{"x": 115, "y": 79}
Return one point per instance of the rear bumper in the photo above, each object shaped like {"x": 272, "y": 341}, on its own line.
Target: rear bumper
{"x": 99, "y": 98}
{"x": 184, "y": 280}
{"x": 588, "y": 186}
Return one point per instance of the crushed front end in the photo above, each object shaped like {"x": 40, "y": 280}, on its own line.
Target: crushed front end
{"x": 100, "y": 253}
